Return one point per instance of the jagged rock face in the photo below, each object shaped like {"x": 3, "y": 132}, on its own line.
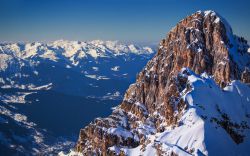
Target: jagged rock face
{"x": 202, "y": 42}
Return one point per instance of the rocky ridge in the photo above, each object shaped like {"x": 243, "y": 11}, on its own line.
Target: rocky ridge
{"x": 200, "y": 52}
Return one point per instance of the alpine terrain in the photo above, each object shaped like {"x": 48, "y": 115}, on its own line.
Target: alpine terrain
{"x": 192, "y": 98}
{"x": 49, "y": 90}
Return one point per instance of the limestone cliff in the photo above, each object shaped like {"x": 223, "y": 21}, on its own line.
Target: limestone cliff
{"x": 200, "y": 44}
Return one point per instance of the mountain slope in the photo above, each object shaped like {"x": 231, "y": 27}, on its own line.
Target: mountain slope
{"x": 193, "y": 94}
{"x": 43, "y": 83}
{"x": 93, "y": 65}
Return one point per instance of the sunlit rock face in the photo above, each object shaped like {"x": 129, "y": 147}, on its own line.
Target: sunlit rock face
{"x": 194, "y": 93}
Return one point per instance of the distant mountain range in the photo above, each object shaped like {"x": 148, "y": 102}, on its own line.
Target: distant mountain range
{"x": 192, "y": 97}
{"x": 71, "y": 67}
{"x": 42, "y": 84}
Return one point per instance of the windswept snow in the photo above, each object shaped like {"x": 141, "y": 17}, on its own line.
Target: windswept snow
{"x": 95, "y": 68}
{"x": 197, "y": 132}
{"x": 16, "y": 98}
{"x": 120, "y": 132}
{"x": 115, "y": 68}
{"x": 97, "y": 77}
{"x": 4, "y": 61}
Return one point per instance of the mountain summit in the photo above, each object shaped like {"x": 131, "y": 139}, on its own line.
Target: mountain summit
{"x": 192, "y": 98}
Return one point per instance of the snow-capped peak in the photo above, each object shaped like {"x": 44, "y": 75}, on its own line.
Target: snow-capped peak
{"x": 69, "y": 51}
{"x": 191, "y": 95}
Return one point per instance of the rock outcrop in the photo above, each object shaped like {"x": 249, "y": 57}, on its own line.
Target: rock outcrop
{"x": 202, "y": 43}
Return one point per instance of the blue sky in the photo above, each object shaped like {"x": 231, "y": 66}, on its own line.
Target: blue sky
{"x": 123, "y": 20}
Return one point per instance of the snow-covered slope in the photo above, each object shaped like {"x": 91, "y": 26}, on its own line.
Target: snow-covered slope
{"x": 215, "y": 122}
{"x": 192, "y": 98}
{"x": 43, "y": 83}
{"x": 213, "y": 114}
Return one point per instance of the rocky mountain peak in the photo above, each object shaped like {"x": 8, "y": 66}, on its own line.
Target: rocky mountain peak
{"x": 204, "y": 42}
{"x": 200, "y": 44}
